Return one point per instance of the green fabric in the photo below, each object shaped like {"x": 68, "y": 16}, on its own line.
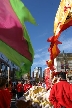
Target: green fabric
{"x": 13, "y": 55}
{"x": 16, "y": 58}
{"x": 23, "y": 15}
{"x": 22, "y": 12}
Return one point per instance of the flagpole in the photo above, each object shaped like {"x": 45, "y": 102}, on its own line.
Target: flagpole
{"x": 8, "y": 76}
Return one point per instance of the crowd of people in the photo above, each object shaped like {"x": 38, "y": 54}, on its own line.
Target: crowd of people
{"x": 10, "y": 90}
{"x": 60, "y": 91}
{"x": 14, "y": 90}
{"x": 23, "y": 87}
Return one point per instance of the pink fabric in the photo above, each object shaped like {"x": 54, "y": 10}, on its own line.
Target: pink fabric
{"x": 11, "y": 30}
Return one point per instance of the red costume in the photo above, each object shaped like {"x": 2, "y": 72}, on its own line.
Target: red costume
{"x": 27, "y": 87}
{"x": 19, "y": 88}
{"x": 60, "y": 95}
{"x": 5, "y": 98}
{"x": 10, "y": 90}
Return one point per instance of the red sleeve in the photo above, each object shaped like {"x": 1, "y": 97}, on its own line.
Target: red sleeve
{"x": 52, "y": 98}
{"x": 70, "y": 93}
{"x": 25, "y": 88}
{"x": 5, "y": 99}
{"x": 17, "y": 87}
{"x": 8, "y": 95}
{"x": 1, "y": 101}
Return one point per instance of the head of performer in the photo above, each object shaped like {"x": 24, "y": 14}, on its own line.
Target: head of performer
{"x": 28, "y": 82}
{"x": 2, "y": 83}
{"x": 62, "y": 76}
{"x": 19, "y": 82}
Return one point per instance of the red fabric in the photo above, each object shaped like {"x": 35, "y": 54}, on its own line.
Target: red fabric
{"x": 5, "y": 99}
{"x": 54, "y": 50}
{"x": 66, "y": 7}
{"x": 60, "y": 94}
{"x": 19, "y": 88}
{"x": 10, "y": 91}
{"x": 11, "y": 30}
{"x": 66, "y": 25}
{"x": 47, "y": 78}
{"x": 13, "y": 38}
{"x": 48, "y": 83}
{"x": 27, "y": 87}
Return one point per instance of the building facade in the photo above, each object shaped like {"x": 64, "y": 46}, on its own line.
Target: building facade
{"x": 63, "y": 62}
{"x": 38, "y": 72}
{"x": 33, "y": 74}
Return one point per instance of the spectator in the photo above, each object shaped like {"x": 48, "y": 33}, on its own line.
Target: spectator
{"x": 5, "y": 98}
{"x": 60, "y": 94}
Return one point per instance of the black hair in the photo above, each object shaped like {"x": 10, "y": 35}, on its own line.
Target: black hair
{"x": 2, "y": 82}
{"x": 62, "y": 75}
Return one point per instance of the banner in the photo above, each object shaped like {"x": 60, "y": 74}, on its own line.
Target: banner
{"x": 47, "y": 78}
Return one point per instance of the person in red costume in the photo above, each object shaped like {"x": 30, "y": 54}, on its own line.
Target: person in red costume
{"x": 5, "y": 98}
{"x": 60, "y": 94}
{"x": 9, "y": 88}
{"x": 19, "y": 90}
{"x": 27, "y": 86}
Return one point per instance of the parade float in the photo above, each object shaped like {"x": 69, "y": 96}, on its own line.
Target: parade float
{"x": 36, "y": 97}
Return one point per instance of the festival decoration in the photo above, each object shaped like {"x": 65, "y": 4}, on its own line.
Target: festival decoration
{"x": 14, "y": 39}
{"x": 63, "y": 20}
{"x": 38, "y": 96}
{"x": 47, "y": 78}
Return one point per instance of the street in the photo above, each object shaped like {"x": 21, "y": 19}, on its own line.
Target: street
{"x": 13, "y": 103}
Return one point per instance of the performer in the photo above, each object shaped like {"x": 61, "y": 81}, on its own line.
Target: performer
{"x": 19, "y": 89}
{"x": 27, "y": 86}
{"x": 9, "y": 88}
{"x": 60, "y": 94}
